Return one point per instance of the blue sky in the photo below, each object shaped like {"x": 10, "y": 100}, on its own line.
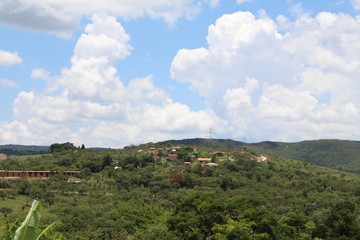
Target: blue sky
{"x": 113, "y": 73}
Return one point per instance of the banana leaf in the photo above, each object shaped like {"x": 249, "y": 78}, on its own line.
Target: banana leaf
{"x": 49, "y": 232}
{"x": 27, "y": 230}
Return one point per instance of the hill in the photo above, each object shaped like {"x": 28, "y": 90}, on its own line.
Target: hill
{"x": 205, "y": 142}
{"x": 338, "y": 154}
{"x": 19, "y": 150}
{"x": 152, "y": 191}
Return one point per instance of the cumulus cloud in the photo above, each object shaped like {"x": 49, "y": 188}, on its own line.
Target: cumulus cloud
{"x": 32, "y": 131}
{"x": 279, "y": 79}
{"x": 9, "y": 58}
{"x": 88, "y": 103}
{"x": 62, "y": 17}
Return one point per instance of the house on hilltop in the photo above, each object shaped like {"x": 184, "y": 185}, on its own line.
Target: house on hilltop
{"x": 172, "y": 156}
{"x": 204, "y": 160}
{"x": 214, "y": 165}
{"x": 218, "y": 154}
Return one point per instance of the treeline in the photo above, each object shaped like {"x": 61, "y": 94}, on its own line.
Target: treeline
{"x": 60, "y": 147}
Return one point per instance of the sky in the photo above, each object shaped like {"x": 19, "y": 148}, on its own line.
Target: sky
{"x": 112, "y": 73}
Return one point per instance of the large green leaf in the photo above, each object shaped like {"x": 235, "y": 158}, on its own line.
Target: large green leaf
{"x": 49, "y": 232}
{"x": 27, "y": 230}
{"x": 57, "y": 236}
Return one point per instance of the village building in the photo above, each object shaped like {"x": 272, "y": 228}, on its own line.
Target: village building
{"x": 3, "y": 156}
{"x": 173, "y": 148}
{"x": 152, "y": 150}
{"x": 218, "y": 154}
{"x": 215, "y": 165}
{"x": 43, "y": 174}
{"x": 204, "y": 160}
{"x": 172, "y": 156}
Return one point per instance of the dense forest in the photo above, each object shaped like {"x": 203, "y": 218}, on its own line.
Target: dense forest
{"x": 165, "y": 191}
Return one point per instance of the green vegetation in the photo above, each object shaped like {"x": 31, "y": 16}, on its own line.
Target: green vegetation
{"x": 19, "y": 150}
{"x": 337, "y": 154}
{"x": 29, "y": 227}
{"x": 60, "y": 147}
{"x": 147, "y": 192}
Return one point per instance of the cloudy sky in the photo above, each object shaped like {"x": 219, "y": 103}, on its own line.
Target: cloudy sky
{"x": 111, "y": 73}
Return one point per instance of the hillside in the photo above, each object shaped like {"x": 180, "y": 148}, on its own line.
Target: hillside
{"x": 19, "y": 150}
{"x": 205, "y": 142}
{"x": 148, "y": 192}
{"x": 338, "y": 154}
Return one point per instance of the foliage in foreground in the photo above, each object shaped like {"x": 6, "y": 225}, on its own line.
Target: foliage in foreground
{"x": 29, "y": 229}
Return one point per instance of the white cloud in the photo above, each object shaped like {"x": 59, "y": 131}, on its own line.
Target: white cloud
{"x": 9, "y": 58}
{"x": 356, "y": 4}
{"x": 7, "y": 83}
{"x": 32, "y": 131}
{"x": 242, "y": 1}
{"x": 40, "y": 73}
{"x": 292, "y": 85}
{"x": 88, "y": 103}
{"x": 149, "y": 123}
{"x": 262, "y": 79}
{"x": 62, "y": 17}
{"x": 213, "y": 3}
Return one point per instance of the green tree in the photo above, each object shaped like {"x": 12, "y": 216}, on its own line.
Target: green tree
{"x": 195, "y": 216}
{"x": 343, "y": 221}
{"x": 107, "y": 161}
{"x": 238, "y": 230}
{"x": 59, "y": 147}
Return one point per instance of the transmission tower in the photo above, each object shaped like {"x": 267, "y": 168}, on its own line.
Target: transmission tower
{"x": 211, "y": 131}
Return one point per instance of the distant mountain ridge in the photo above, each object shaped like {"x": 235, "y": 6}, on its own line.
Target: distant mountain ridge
{"x": 18, "y": 150}
{"x": 205, "y": 142}
{"x": 338, "y": 154}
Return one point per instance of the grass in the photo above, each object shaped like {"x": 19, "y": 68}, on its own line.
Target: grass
{"x": 17, "y": 203}
{"x": 17, "y": 206}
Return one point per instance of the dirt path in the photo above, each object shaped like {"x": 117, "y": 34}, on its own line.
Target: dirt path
{"x": 261, "y": 159}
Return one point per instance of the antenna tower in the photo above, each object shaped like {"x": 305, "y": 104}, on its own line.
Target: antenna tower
{"x": 210, "y": 133}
